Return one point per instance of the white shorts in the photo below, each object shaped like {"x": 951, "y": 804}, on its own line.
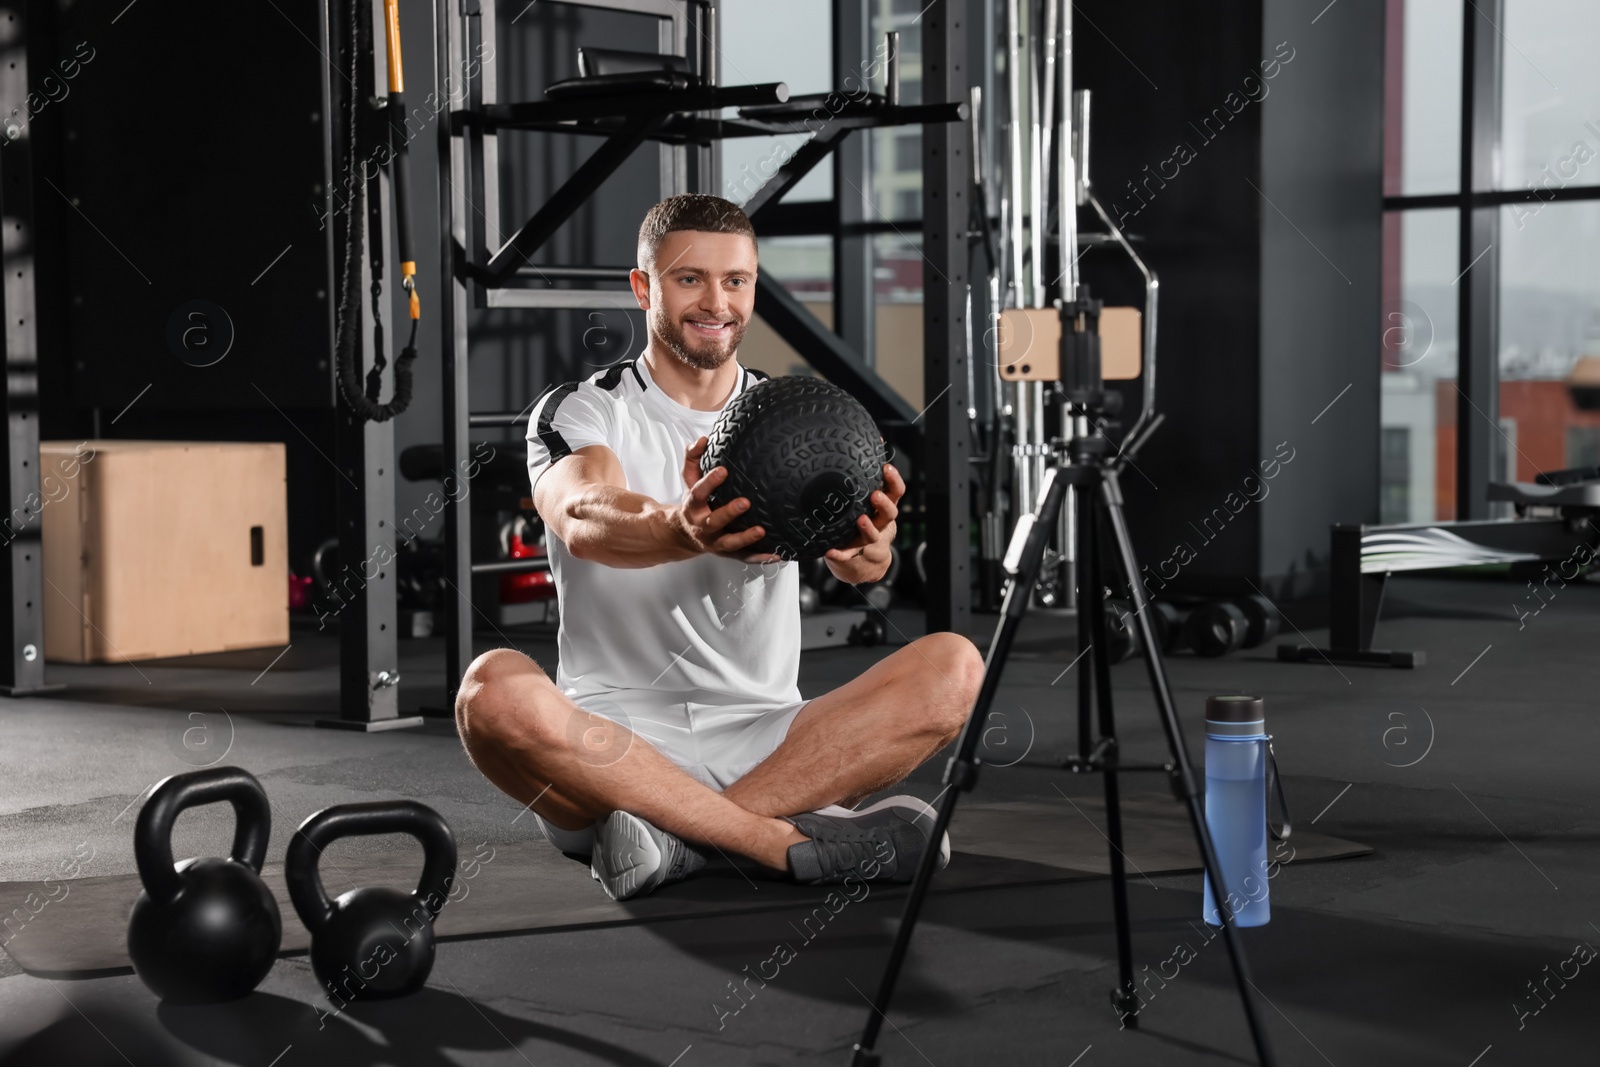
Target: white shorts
{"x": 714, "y": 743}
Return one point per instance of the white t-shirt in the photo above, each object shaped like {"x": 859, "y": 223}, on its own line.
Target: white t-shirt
{"x": 708, "y": 629}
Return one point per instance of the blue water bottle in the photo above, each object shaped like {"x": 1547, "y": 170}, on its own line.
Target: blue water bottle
{"x": 1236, "y": 807}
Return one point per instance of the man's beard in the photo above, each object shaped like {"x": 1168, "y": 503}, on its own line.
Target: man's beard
{"x": 700, "y": 353}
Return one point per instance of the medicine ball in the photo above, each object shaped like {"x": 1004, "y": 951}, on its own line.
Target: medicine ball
{"x": 808, "y": 457}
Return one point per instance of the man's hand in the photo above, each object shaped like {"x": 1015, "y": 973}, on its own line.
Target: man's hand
{"x": 866, "y": 559}
{"x": 700, "y": 528}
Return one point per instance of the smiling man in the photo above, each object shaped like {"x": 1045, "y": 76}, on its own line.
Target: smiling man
{"x": 674, "y": 726}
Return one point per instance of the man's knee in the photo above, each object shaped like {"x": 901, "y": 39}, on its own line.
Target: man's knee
{"x": 494, "y": 686}
{"x": 959, "y": 663}
{"x": 957, "y": 681}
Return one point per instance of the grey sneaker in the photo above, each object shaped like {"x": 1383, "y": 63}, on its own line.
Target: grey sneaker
{"x": 632, "y": 857}
{"x": 884, "y": 842}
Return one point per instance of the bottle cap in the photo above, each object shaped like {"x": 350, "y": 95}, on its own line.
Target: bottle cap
{"x": 1236, "y": 715}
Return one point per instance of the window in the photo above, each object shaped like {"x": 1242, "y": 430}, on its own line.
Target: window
{"x": 897, "y": 152}
{"x": 1535, "y": 246}
{"x": 897, "y": 290}
{"x": 1583, "y": 445}
{"x": 1549, "y": 318}
{"x": 908, "y": 151}
{"x": 749, "y": 54}
{"x": 1395, "y": 475}
{"x": 1550, "y": 94}
{"x": 1419, "y": 355}
{"x": 805, "y": 266}
{"x": 1506, "y": 452}
{"x": 1425, "y": 120}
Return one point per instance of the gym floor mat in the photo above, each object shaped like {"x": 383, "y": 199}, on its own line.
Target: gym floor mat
{"x": 530, "y": 886}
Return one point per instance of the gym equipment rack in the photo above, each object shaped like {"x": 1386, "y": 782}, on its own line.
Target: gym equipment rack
{"x": 687, "y": 126}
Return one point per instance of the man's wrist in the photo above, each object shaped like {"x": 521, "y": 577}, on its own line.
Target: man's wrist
{"x": 671, "y": 534}
{"x": 858, "y": 569}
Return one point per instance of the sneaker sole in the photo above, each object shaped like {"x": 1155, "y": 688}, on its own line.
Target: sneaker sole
{"x": 625, "y": 856}
{"x": 922, "y": 815}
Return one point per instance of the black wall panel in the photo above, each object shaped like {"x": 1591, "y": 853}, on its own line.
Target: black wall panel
{"x": 192, "y": 158}
{"x": 1239, "y": 143}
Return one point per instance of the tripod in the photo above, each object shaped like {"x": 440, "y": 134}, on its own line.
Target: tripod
{"x": 1086, "y": 464}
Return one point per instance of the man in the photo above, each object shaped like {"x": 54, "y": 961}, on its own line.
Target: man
{"x": 674, "y": 726}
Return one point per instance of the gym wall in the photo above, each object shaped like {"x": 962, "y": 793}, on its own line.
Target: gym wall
{"x": 183, "y": 274}
{"x": 1266, "y": 235}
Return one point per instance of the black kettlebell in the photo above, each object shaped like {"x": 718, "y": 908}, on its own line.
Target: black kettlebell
{"x": 807, "y": 455}
{"x": 371, "y": 943}
{"x": 206, "y": 929}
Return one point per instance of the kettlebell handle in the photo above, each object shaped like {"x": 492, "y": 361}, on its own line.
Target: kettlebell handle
{"x": 152, "y": 834}
{"x": 364, "y": 820}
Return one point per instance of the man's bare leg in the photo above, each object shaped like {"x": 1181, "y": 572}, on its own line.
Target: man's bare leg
{"x": 870, "y": 732}
{"x": 524, "y": 734}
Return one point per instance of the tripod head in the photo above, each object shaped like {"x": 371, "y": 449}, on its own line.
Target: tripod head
{"x": 1091, "y": 407}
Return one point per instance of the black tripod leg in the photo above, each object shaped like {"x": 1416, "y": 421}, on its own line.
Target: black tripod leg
{"x": 1183, "y": 772}
{"x": 1092, "y": 620}
{"x": 1089, "y": 636}
{"x": 1022, "y": 563}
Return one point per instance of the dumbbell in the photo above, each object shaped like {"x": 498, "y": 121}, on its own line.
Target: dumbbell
{"x": 1168, "y": 620}
{"x": 1262, "y": 618}
{"x": 878, "y": 595}
{"x": 1215, "y": 628}
{"x": 867, "y": 632}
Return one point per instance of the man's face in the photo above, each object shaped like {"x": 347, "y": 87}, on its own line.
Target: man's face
{"x": 700, "y": 295}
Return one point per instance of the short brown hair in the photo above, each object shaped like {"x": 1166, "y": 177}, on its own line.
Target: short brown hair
{"x": 689, "y": 211}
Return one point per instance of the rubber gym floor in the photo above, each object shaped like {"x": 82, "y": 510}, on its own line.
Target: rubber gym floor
{"x": 1471, "y": 778}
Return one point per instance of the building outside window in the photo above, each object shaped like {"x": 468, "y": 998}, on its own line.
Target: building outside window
{"x": 1543, "y": 110}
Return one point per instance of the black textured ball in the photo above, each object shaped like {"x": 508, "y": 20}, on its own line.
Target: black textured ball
{"x": 806, "y": 454}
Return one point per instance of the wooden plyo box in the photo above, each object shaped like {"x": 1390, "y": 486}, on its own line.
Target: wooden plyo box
{"x": 162, "y": 548}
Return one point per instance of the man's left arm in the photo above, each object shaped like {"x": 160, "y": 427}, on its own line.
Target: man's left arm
{"x": 866, "y": 559}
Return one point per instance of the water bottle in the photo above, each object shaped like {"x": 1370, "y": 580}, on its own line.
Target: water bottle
{"x": 1236, "y": 807}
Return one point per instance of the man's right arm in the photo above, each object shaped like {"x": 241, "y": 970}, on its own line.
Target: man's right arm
{"x": 583, "y": 500}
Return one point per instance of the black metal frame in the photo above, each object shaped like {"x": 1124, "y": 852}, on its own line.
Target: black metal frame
{"x": 854, "y": 306}
{"x": 945, "y": 470}
{"x": 1478, "y": 252}
{"x": 22, "y": 562}
{"x": 503, "y": 277}
{"x": 369, "y": 654}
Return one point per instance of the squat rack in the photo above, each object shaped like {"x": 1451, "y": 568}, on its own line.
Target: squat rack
{"x": 688, "y": 126}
